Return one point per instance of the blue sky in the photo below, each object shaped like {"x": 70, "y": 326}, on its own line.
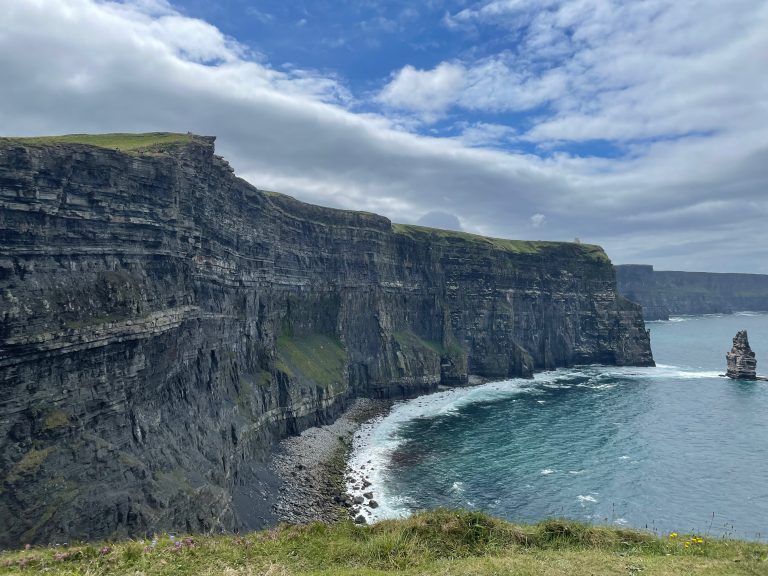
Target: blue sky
{"x": 638, "y": 125}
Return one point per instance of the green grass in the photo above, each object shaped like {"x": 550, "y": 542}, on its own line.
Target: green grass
{"x": 149, "y": 142}
{"x": 439, "y": 542}
{"x": 55, "y": 419}
{"x": 408, "y": 340}
{"x": 30, "y": 463}
{"x": 514, "y": 246}
{"x": 317, "y": 357}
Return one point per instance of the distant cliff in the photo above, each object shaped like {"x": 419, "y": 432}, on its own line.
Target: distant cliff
{"x": 663, "y": 294}
{"x": 162, "y": 322}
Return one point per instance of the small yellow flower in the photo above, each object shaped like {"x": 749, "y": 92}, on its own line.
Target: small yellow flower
{"x": 673, "y": 535}
{"x": 687, "y": 544}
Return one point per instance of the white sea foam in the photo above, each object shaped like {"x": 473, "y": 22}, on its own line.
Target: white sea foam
{"x": 587, "y": 498}
{"x": 547, "y": 471}
{"x": 377, "y": 440}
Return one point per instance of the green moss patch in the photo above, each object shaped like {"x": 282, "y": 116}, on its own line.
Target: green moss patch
{"x": 55, "y": 419}
{"x": 29, "y": 464}
{"x": 406, "y": 339}
{"x": 316, "y": 357}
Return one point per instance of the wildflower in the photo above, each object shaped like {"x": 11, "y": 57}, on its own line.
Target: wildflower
{"x": 105, "y": 550}
{"x": 673, "y": 535}
{"x": 27, "y": 546}
{"x": 687, "y": 544}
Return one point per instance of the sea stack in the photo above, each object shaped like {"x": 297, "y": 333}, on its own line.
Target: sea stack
{"x": 741, "y": 360}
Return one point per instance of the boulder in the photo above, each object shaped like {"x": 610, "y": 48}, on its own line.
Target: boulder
{"x": 741, "y": 359}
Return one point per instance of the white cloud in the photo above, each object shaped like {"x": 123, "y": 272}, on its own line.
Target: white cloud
{"x": 626, "y": 70}
{"x": 538, "y": 220}
{"x": 428, "y": 91}
{"x": 140, "y": 66}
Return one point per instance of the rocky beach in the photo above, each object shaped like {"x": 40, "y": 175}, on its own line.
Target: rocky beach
{"x": 312, "y": 469}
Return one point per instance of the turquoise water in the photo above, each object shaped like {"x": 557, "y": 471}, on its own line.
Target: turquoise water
{"x": 672, "y": 448}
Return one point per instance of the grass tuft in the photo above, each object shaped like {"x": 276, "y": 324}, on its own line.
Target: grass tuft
{"x": 437, "y": 542}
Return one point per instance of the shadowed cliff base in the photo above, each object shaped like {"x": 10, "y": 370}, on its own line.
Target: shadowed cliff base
{"x": 164, "y": 322}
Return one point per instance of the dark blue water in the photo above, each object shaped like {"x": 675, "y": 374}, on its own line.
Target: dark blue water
{"x": 672, "y": 448}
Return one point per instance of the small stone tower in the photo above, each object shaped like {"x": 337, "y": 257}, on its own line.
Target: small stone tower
{"x": 741, "y": 359}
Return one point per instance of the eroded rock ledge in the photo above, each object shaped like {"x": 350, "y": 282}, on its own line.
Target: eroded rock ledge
{"x": 162, "y": 322}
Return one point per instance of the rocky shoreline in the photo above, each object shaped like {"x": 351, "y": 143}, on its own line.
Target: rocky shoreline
{"x": 311, "y": 468}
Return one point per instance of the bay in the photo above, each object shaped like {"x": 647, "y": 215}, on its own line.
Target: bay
{"x": 671, "y": 448}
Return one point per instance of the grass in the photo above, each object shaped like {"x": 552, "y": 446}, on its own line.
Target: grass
{"x": 135, "y": 143}
{"x": 439, "y": 542}
{"x": 55, "y": 419}
{"x": 514, "y": 246}
{"x": 317, "y": 357}
{"x": 30, "y": 463}
{"x": 408, "y": 340}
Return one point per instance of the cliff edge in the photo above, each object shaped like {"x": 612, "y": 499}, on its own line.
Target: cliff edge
{"x": 162, "y": 322}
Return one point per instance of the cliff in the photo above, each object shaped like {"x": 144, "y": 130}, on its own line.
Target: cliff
{"x": 163, "y": 322}
{"x": 665, "y": 293}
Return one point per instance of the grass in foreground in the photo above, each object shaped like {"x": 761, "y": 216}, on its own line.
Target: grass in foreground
{"x": 149, "y": 142}
{"x": 439, "y": 542}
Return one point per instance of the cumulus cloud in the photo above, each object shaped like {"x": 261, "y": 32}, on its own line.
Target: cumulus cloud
{"x": 538, "y": 220}
{"x": 429, "y": 91}
{"x": 687, "y": 102}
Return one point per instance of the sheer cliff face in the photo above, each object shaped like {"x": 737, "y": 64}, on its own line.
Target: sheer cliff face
{"x": 162, "y": 322}
{"x": 665, "y": 293}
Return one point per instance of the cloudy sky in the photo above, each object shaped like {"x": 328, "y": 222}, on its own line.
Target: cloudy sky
{"x": 641, "y": 125}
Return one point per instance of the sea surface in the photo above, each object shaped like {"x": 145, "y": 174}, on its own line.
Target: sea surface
{"x": 671, "y": 448}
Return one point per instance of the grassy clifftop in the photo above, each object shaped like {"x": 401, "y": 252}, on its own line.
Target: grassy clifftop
{"x": 130, "y": 143}
{"x": 415, "y": 232}
{"x": 440, "y": 542}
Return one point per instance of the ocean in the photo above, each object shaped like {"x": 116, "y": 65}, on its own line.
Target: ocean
{"x": 672, "y": 448}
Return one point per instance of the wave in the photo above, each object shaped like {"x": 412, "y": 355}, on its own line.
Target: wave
{"x": 377, "y": 442}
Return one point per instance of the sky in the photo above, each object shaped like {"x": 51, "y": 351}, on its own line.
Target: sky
{"x": 638, "y": 125}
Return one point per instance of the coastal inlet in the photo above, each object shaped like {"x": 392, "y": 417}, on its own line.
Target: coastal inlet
{"x": 672, "y": 448}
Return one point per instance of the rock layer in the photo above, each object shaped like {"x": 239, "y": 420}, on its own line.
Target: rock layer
{"x": 162, "y": 322}
{"x": 667, "y": 293}
{"x": 741, "y": 359}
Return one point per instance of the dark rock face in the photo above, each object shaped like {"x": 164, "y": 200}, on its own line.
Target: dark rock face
{"x": 664, "y": 294}
{"x": 162, "y": 322}
{"x": 741, "y": 360}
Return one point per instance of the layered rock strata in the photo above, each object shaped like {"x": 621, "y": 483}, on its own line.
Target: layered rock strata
{"x": 741, "y": 359}
{"x": 162, "y": 322}
{"x": 667, "y": 293}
